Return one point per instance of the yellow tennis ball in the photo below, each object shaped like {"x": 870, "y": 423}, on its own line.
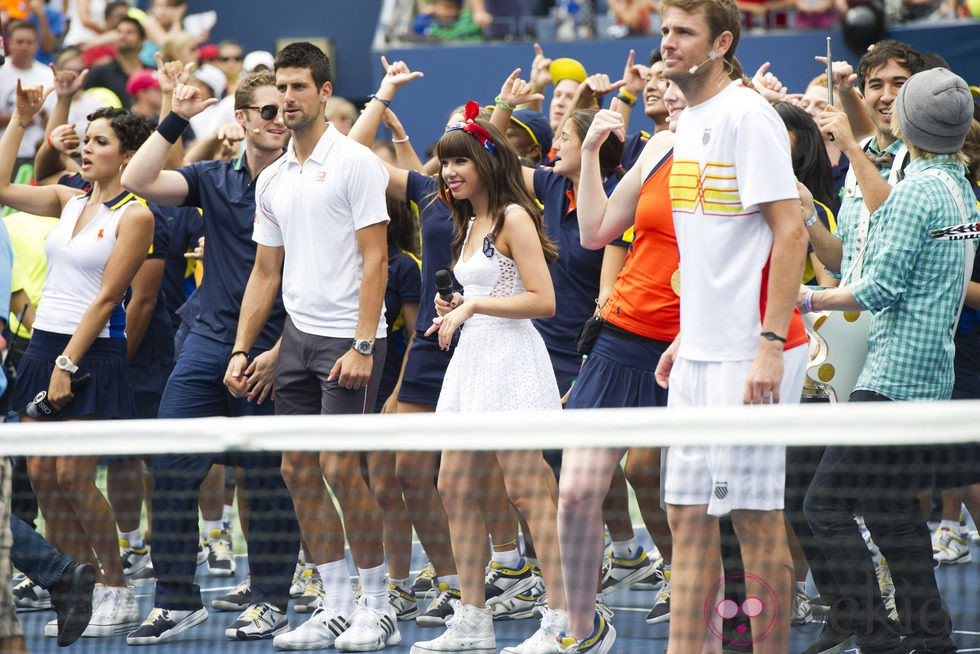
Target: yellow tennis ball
{"x": 974, "y": 7}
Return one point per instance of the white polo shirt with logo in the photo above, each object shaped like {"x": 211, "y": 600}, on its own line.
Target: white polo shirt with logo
{"x": 313, "y": 211}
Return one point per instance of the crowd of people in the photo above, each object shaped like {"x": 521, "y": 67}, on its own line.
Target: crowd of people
{"x": 163, "y": 230}
{"x": 477, "y": 20}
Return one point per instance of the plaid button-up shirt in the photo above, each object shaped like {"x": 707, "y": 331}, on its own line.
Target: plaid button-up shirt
{"x": 913, "y": 284}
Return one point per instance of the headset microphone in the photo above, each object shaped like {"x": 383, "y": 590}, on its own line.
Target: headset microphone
{"x": 694, "y": 69}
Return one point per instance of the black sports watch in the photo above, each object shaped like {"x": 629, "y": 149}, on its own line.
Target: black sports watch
{"x": 363, "y": 346}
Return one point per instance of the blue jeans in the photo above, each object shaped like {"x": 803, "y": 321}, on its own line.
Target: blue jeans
{"x": 195, "y": 389}
{"x": 34, "y": 556}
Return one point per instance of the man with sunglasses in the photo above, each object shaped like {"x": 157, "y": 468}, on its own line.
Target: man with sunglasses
{"x": 225, "y": 192}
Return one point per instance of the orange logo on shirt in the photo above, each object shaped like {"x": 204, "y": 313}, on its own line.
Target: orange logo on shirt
{"x": 101, "y": 234}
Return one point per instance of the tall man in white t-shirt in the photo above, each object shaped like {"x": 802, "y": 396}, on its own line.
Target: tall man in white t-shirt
{"x": 321, "y": 228}
{"x": 742, "y": 249}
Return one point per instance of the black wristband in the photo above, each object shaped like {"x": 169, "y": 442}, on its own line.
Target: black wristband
{"x": 171, "y": 127}
{"x": 236, "y": 353}
{"x": 772, "y": 336}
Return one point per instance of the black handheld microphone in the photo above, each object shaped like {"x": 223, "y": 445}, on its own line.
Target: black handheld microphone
{"x": 39, "y": 407}
{"x": 3, "y": 51}
{"x": 444, "y": 285}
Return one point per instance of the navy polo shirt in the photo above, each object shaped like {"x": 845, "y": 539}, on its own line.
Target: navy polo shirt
{"x": 436, "y": 221}
{"x": 186, "y": 225}
{"x": 575, "y": 274}
{"x": 404, "y": 285}
{"x": 225, "y": 192}
{"x": 158, "y": 341}
{"x": 632, "y": 148}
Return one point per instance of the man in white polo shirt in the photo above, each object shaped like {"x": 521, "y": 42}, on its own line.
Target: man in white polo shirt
{"x": 321, "y": 219}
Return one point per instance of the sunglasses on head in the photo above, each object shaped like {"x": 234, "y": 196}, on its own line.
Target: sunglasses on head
{"x": 266, "y": 111}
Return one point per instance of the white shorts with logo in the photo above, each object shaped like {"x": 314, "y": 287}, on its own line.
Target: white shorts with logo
{"x": 727, "y": 478}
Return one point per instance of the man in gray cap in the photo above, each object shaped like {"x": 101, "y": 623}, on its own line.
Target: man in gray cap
{"x": 914, "y": 286}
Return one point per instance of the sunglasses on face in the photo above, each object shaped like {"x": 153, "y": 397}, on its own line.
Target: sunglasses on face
{"x": 227, "y": 59}
{"x": 266, "y": 111}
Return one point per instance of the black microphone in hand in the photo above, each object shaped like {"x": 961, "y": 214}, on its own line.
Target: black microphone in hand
{"x": 3, "y": 51}
{"x": 39, "y": 407}
{"x": 444, "y": 285}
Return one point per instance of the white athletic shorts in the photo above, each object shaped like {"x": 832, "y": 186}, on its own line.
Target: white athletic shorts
{"x": 727, "y": 478}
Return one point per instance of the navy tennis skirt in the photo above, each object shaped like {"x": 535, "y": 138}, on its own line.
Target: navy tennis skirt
{"x": 107, "y": 394}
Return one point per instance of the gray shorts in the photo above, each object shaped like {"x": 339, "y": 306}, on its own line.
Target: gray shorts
{"x": 9, "y": 624}
{"x": 304, "y": 365}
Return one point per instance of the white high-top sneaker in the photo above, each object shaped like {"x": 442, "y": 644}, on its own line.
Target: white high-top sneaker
{"x": 545, "y": 639}
{"x": 116, "y": 613}
{"x": 470, "y": 629}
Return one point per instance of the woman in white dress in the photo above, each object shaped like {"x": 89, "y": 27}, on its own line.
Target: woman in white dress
{"x": 500, "y": 364}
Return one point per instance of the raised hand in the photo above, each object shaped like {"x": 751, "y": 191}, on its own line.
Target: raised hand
{"x": 68, "y": 82}
{"x": 172, "y": 73}
{"x": 64, "y": 139}
{"x": 842, "y": 72}
{"x": 30, "y": 101}
{"x": 596, "y": 86}
{"x": 515, "y": 91}
{"x": 188, "y": 101}
{"x": 768, "y": 85}
{"x": 540, "y": 70}
{"x": 634, "y": 76}
{"x": 398, "y": 73}
{"x": 606, "y": 122}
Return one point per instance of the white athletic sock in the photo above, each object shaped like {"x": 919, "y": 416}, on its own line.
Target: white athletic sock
{"x": 134, "y": 538}
{"x": 508, "y": 558}
{"x": 226, "y": 512}
{"x": 338, "y": 594}
{"x": 952, "y": 525}
{"x": 210, "y": 526}
{"x": 625, "y": 549}
{"x": 452, "y": 581}
{"x": 401, "y": 583}
{"x": 800, "y": 586}
{"x": 374, "y": 586}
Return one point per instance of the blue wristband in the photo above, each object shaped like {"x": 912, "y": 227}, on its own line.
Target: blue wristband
{"x": 171, "y": 127}
{"x": 386, "y": 103}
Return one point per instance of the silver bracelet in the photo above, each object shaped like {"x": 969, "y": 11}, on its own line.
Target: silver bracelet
{"x": 808, "y": 302}
{"x": 809, "y": 221}
{"x": 404, "y": 140}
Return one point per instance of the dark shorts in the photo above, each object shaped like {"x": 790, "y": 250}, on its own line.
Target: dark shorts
{"x": 107, "y": 395}
{"x": 424, "y": 372}
{"x": 304, "y": 365}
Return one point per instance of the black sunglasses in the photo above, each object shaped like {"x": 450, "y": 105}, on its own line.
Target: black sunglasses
{"x": 227, "y": 59}
{"x": 266, "y": 111}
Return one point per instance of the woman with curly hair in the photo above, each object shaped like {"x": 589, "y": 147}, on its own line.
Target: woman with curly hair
{"x": 79, "y": 333}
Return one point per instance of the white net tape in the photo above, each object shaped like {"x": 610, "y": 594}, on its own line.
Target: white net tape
{"x": 873, "y": 423}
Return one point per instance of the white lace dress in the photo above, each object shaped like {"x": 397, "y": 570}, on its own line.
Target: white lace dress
{"x": 500, "y": 364}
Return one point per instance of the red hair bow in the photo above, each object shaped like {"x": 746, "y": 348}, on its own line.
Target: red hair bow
{"x": 470, "y": 112}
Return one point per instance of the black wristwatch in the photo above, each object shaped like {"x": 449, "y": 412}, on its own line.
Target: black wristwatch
{"x": 363, "y": 346}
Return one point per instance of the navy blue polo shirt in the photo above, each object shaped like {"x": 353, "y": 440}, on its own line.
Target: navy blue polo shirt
{"x": 632, "y": 148}
{"x": 575, "y": 274}
{"x": 225, "y": 192}
{"x": 186, "y": 225}
{"x": 158, "y": 341}
{"x": 404, "y": 285}
{"x": 436, "y": 221}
